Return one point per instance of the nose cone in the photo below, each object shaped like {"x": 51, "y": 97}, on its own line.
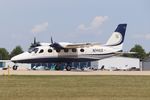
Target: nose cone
{"x": 20, "y": 57}
{"x": 14, "y": 59}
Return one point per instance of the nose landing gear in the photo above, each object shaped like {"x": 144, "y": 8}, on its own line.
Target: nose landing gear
{"x": 15, "y": 67}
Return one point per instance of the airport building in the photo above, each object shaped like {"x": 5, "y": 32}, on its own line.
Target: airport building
{"x": 4, "y": 64}
{"x": 146, "y": 64}
{"x": 117, "y": 63}
{"x": 112, "y": 63}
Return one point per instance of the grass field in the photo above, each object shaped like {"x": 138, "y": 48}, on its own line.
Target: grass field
{"x": 75, "y": 88}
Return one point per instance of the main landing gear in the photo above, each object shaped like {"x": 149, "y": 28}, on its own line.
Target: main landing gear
{"x": 60, "y": 66}
{"x": 68, "y": 68}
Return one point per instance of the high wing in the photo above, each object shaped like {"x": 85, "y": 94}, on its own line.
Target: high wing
{"x": 80, "y": 45}
{"x": 64, "y": 45}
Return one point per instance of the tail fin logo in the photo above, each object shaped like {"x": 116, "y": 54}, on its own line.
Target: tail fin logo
{"x": 117, "y": 37}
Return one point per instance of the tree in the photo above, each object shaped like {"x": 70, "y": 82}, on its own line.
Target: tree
{"x": 148, "y": 54}
{"x": 16, "y": 51}
{"x": 140, "y": 52}
{"x": 4, "y": 54}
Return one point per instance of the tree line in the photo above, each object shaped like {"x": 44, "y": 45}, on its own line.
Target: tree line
{"x": 5, "y": 55}
{"x": 138, "y": 49}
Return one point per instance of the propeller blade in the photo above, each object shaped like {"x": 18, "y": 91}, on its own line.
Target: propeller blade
{"x": 35, "y": 43}
{"x": 52, "y": 40}
{"x": 34, "y": 40}
{"x": 55, "y": 45}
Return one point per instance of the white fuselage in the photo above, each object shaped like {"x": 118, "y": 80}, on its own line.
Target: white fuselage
{"x": 48, "y": 54}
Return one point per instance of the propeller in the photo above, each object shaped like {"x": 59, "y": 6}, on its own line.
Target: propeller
{"x": 35, "y": 43}
{"x": 55, "y": 45}
{"x": 52, "y": 40}
{"x": 34, "y": 40}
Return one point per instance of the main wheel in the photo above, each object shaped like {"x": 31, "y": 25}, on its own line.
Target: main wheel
{"x": 57, "y": 67}
{"x": 68, "y": 68}
{"x": 15, "y": 67}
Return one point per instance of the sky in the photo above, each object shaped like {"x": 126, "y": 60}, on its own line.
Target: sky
{"x": 73, "y": 21}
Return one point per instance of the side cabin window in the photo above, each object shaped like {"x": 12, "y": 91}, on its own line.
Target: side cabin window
{"x": 82, "y": 50}
{"x": 50, "y": 50}
{"x": 74, "y": 50}
{"x": 66, "y": 50}
{"x": 58, "y": 50}
{"x": 41, "y": 51}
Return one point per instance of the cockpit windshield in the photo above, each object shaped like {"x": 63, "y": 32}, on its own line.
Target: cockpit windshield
{"x": 33, "y": 50}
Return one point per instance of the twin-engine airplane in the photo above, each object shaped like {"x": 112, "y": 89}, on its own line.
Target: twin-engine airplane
{"x": 73, "y": 52}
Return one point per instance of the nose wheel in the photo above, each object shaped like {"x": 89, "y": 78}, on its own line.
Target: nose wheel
{"x": 15, "y": 67}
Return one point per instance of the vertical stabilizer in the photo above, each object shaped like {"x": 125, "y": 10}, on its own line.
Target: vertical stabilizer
{"x": 117, "y": 38}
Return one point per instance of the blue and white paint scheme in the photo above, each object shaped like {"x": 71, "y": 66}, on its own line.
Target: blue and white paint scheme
{"x": 73, "y": 52}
